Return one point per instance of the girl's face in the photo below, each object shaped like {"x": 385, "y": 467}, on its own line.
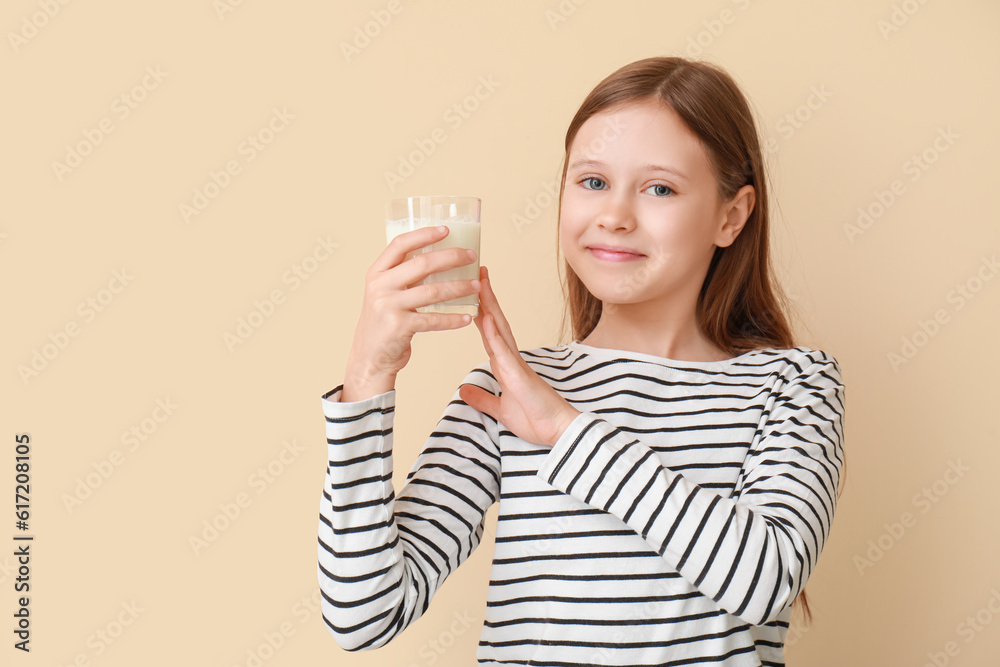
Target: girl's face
{"x": 639, "y": 180}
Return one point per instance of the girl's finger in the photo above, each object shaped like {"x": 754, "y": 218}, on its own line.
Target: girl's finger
{"x": 403, "y": 244}
{"x": 489, "y": 298}
{"x": 494, "y": 348}
{"x": 487, "y": 342}
{"x": 480, "y": 321}
{"x": 502, "y": 356}
{"x": 484, "y": 308}
{"x": 492, "y": 334}
{"x": 480, "y": 399}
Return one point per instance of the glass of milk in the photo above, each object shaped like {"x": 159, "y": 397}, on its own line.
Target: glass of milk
{"x": 461, "y": 216}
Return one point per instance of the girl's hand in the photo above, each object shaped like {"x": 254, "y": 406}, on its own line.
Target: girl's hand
{"x": 527, "y": 404}
{"x": 389, "y": 318}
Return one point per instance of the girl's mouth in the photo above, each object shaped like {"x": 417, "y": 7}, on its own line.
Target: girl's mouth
{"x": 614, "y": 256}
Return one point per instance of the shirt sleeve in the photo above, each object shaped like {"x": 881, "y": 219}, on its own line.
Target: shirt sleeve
{"x": 752, "y": 552}
{"x": 382, "y": 557}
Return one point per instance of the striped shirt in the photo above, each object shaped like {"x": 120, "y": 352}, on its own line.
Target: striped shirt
{"x": 673, "y": 523}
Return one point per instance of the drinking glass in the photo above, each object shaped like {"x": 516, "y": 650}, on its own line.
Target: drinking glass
{"x": 461, "y": 216}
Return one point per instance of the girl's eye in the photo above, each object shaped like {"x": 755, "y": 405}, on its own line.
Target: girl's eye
{"x": 595, "y": 183}
{"x": 660, "y": 190}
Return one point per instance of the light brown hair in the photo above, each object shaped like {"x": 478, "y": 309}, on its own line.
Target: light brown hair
{"x": 740, "y": 307}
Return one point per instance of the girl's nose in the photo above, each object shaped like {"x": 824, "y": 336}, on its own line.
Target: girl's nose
{"x": 616, "y": 213}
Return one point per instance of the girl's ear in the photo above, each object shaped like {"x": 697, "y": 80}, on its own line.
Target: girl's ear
{"x": 735, "y": 213}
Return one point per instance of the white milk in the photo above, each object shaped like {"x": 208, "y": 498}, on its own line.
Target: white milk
{"x": 463, "y": 232}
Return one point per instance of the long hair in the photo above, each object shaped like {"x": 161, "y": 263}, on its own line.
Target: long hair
{"x": 740, "y": 306}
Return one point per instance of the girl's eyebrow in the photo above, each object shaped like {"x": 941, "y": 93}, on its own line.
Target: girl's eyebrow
{"x": 648, "y": 167}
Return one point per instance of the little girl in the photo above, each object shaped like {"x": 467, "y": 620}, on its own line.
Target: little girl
{"x": 668, "y": 479}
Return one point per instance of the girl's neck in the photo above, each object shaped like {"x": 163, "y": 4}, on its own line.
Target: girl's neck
{"x": 681, "y": 343}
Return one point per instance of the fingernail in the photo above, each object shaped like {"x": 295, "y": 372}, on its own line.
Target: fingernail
{"x": 471, "y": 254}
{"x": 475, "y": 284}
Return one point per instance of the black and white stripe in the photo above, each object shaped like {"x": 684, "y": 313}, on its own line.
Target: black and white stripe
{"x": 672, "y": 524}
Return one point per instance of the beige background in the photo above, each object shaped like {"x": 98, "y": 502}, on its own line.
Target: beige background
{"x": 241, "y": 408}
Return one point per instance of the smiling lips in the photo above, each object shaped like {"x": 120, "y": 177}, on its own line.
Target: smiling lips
{"x": 614, "y": 253}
